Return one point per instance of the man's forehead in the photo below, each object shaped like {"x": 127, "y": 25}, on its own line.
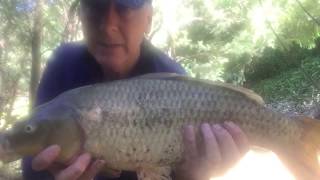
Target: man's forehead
{"x": 128, "y": 3}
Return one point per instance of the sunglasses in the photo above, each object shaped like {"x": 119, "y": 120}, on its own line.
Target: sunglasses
{"x": 95, "y": 9}
{"x": 131, "y": 4}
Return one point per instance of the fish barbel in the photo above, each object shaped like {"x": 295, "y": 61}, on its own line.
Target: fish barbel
{"x": 135, "y": 124}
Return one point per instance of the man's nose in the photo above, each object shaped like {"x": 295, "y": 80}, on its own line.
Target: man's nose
{"x": 110, "y": 21}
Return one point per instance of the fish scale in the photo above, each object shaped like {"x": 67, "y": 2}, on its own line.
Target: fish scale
{"x": 143, "y": 103}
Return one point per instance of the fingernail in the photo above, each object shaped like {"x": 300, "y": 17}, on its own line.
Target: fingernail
{"x": 86, "y": 156}
{"x": 188, "y": 133}
{"x": 188, "y": 128}
{"x": 206, "y": 130}
{"x": 217, "y": 127}
{"x": 205, "y": 125}
{"x": 54, "y": 148}
{"x": 230, "y": 124}
{"x": 100, "y": 164}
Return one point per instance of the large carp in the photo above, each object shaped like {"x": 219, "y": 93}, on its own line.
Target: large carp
{"x": 135, "y": 124}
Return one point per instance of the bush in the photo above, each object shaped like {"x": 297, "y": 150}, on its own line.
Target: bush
{"x": 298, "y": 85}
{"x": 273, "y": 62}
{"x": 234, "y": 70}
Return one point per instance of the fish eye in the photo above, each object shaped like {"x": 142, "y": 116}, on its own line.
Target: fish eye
{"x": 29, "y": 129}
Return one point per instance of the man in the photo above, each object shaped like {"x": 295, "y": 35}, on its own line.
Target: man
{"x": 115, "y": 48}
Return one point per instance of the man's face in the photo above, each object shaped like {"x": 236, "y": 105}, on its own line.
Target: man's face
{"x": 115, "y": 32}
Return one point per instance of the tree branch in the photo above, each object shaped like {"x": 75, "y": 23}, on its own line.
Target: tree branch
{"x": 305, "y": 11}
{"x": 36, "y": 47}
{"x": 71, "y": 14}
{"x": 274, "y": 32}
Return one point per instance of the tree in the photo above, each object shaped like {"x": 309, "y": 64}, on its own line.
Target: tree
{"x": 36, "y": 49}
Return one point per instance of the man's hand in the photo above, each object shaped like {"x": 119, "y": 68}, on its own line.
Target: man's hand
{"x": 80, "y": 169}
{"x": 219, "y": 149}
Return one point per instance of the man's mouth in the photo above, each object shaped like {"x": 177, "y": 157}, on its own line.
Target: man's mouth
{"x": 110, "y": 45}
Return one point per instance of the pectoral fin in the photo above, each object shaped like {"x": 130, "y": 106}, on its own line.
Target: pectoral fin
{"x": 159, "y": 173}
{"x": 110, "y": 173}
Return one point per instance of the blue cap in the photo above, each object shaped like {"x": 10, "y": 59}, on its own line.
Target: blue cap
{"x": 132, "y": 3}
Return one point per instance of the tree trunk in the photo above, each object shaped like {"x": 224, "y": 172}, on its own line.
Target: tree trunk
{"x": 71, "y": 24}
{"x": 36, "y": 50}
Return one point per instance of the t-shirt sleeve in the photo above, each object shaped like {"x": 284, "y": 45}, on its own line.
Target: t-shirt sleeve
{"x": 49, "y": 84}
{"x": 160, "y": 62}
{"x": 167, "y": 65}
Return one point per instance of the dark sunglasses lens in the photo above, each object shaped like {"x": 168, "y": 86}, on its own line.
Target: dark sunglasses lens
{"x": 96, "y": 4}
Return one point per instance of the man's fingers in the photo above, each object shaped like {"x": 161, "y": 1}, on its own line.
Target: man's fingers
{"x": 44, "y": 159}
{"x": 190, "y": 144}
{"x": 229, "y": 151}
{"x": 212, "y": 151}
{"x": 238, "y": 136}
{"x": 75, "y": 170}
{"x": 56, "y": 168}
{"x": 93, "y": 170}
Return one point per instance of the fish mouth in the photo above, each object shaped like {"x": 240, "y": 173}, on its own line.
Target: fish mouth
{"x": 7, "y": 154}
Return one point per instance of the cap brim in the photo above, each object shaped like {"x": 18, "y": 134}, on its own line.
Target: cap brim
{"x": 135, "y": 4}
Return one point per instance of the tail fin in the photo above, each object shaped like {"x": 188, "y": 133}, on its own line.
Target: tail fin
{"x": 302, "y": 158}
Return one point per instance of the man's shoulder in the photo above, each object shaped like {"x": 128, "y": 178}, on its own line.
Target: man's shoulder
{"x": 68, "y": 53}
{"x": 65, "y": 70}
{"x": 162, "y": 62}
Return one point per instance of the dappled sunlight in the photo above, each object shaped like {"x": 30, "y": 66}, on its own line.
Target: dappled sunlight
{"x": 171, "y": 18}
{"x": 21, "y": 106}
{"x": 258, "y": 166}
{"x": 262, "y": 16}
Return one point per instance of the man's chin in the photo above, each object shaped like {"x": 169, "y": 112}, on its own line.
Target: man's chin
{"x": 113, "y": 65}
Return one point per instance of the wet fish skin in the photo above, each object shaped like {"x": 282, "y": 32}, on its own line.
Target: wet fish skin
{"x": 152, "y": 110}
{"x": 136, "y": 124}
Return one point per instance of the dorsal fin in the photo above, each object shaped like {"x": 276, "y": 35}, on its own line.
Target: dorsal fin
{"x": 160, "y": 76}
{"x": 247, "y": 92}
{"x": 173, "y": 76}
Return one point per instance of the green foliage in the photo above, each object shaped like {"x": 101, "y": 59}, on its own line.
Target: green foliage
{"x": 297, "y": 85}
{"x": 297, "y": 25}
{"x": 202, "y": 45}
{"x": 273, "y": 62}
{"x": 224, "y": 36}
{"x": 14, "y": 56}
{"x": 234, "y": 70}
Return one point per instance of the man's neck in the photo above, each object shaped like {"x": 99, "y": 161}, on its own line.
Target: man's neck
{"x": 122, "y": 71}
